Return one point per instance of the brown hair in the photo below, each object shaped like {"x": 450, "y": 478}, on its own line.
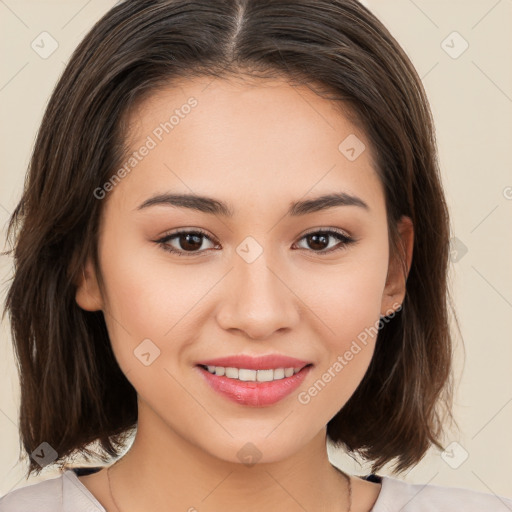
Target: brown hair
{"x": 73, "y": 392}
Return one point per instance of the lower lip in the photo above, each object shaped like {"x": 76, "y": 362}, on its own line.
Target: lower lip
{"x": 253, "y": 393}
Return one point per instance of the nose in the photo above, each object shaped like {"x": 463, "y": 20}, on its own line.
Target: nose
{"x": 258, "y": 300}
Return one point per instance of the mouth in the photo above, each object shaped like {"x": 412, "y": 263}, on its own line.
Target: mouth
{"x": 254, "y": 387}
{"x": 251, "y": 375}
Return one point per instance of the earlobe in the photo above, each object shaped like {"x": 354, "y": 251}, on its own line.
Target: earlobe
{"x": 395, "y": 288}
{"x": 88, "y": 295}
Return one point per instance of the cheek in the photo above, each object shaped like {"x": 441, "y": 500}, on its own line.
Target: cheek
{"x": 348, "y": 308}
{"x": 133, "y": 295}
{"x": 148, "y": 297}
{"x": 352, "y": 304}
{"x": 347, "y": 297}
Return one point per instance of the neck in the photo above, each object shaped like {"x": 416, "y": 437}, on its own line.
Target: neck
{"x": 162, "y": 467}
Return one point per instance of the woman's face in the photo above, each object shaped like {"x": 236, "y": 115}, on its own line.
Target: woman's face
{"x": 264, "y": 278}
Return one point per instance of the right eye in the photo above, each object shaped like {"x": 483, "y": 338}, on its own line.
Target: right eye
{"x": 188, "y": 242}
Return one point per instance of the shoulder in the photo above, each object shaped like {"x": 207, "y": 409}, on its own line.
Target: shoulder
{"x": 64, "y": 493}
{"x": 397, "y": 495}
{"x": 43, "y": 496}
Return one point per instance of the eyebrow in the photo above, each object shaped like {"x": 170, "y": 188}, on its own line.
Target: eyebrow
{"x": 215, "y": 207}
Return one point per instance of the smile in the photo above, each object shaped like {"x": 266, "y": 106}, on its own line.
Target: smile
{"x": 245, "y": 374}
{"x": 254, "y": 388}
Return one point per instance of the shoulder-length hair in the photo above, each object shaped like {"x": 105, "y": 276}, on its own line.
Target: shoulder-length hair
{"x": 73, "y": 392}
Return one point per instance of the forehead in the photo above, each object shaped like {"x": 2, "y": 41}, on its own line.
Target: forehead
{"x": 209, "y": 135}
{"x": 246, "y": 110}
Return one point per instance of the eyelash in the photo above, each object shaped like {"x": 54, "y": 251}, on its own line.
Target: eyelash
{"x": 164, "y": 241}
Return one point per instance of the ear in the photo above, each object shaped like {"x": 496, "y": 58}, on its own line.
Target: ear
{"x": 395, "y": 288}
{"x": 88, "y": 295}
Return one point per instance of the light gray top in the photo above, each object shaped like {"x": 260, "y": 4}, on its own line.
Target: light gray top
{"x": 66, "y": 493}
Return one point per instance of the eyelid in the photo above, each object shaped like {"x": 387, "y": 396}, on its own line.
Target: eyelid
{"x": 163, "y": 241}
{"x": 326, "y": 230}
{"x": 203, "y": 232}
{"x": 187, "y": 231}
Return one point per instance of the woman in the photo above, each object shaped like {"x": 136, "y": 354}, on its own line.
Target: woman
{"x": 233, "y": 243}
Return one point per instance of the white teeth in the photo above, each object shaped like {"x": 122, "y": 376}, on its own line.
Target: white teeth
{"x": 288, "y": 372}
{"x": 232, "y": 373}
{"x": 279, "y": 373}
{"x": 245, "y": 374}
{"x": 265, "y": 375}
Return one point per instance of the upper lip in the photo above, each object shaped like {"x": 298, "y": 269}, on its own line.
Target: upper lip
{"x": 256, "y": 363}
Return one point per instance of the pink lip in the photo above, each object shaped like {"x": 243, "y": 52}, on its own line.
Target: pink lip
{"x": 253, "y": 393}
{"x": 267, "y": 362}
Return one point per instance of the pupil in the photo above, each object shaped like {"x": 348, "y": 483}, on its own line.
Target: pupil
{"x": 196, "y": 239}
{"x": 315, "y": 238}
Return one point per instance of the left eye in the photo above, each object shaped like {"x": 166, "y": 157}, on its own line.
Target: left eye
{"x": 316, "y": 238}
{"x": 191, "y": 241}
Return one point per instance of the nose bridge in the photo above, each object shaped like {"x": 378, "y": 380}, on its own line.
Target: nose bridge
{"x": 256, "y": 278}
{"x": 261, "y": 302}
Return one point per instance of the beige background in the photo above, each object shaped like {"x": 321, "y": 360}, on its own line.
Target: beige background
{"x": 471, "y": 98}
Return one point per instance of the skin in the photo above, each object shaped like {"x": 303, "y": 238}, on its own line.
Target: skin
{"x": 257, "y": 146}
